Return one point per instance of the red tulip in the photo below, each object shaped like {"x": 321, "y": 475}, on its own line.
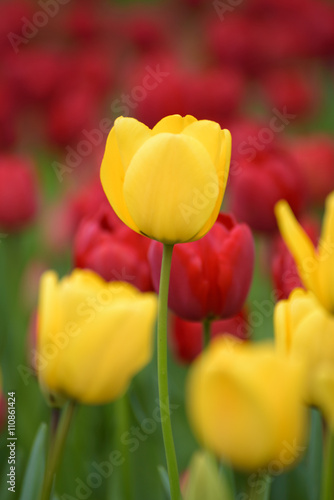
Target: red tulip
{"x": 18, "y": 192}
{"x": 315, "y": 155}
{"x": 108, "y": 247}
{"x": 284, "y": 271}
{"x": 210, "y": 278}
{"x": 297, "y": 90}
{"x": 186, "y": 337}
{"x": 265, "y": 175}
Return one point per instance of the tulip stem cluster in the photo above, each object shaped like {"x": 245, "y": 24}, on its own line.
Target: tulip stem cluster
{"x": 56, "y": 450}
{"x": 327, "y": 477}
{"x": 163, "y": 375}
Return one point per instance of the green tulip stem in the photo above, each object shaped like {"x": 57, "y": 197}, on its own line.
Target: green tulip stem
{"x": 327, "y": 492}
{"x": 56, "y": 451}
{"x": 260, "y": 489}
{"x": 166, "y": 425}
{"x": 206, "y": 333}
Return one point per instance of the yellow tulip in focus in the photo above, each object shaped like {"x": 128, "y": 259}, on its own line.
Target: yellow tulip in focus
{"x": 245, "y": 404}
{"x": 93, "y": 336}
{"x": 304, "y": 330}
{"x": 167, "y": 183}
{"x": 315, "y": 266}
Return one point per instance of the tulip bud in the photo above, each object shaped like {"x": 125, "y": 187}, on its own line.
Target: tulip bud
{"x": 210, "y": 278}
{"x": 92, "y": 336}
{"x": 167, "y": 183}
{"x": 18, "y": 193}
{"x": 245, "y": 404}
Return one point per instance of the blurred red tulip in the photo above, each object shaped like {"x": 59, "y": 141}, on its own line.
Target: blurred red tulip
{"x": 213, "y": 94}
{"x": 18, "y": 192}
{"x": 72, "y": 111}
{"x": 265, "y": 174}
{"x": 315, "y": 155}
{"x": 108, "y": 247}
{"x": 35, "y": 73}
{"x": 186, "y": 337}
{"x": 295, "y": 89}
{"x": 284, "y": 271}
{"x": 210, "y": 278}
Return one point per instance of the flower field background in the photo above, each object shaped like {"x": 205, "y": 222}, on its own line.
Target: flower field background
{"x": 263, "y": 69}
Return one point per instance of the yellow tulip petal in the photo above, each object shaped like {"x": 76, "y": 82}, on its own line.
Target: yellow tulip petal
{"x": 302, "y": 249}
{"x": 48, "y": 305}
{"x": 112, "y": 178}
{"x": 326, "y": 253}
{"x": 235, "y": 397}
{"x": 121, "y": 346}
{"x": 126, "y": 128}
{"x": 169, "y": 173}
{"x": 207, "y": 133}
{"x": 281, "y": 327}
{"x": 174, "y": 124}
{"x": 222, "y": 170}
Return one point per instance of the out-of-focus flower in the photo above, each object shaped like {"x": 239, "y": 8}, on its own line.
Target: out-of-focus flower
{"x": 92, "y": 336}
{"x": 213, "y": 94}
{"x": 167, "y": 183}
{"x": 264, "y": 176}
{"x": 304, "y": 330}
{"x": 284, "y": 271}
{"x": 210, "y": 278}
{"x": 18, "y": 192}
{"x": 186, "y": 337}
{"x": 108, "y": 247}
{"x": 81, "y": 103}
{"x": 315, "y": 155}
{"x": 245, "y": 403}
{"x": 293, "y": 90}
{"x": 8, "y": 115}
{"x": 36, "y": 74}
{"x": 315, "y": 265}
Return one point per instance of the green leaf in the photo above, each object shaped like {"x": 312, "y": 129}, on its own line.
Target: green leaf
{"x": 205, "y": 481}
{"x": 34, "y": 473}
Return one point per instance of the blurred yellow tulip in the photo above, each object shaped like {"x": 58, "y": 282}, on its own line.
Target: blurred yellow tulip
{"x": 92, "y": 337}
{"x": 167, "y": 183}
{"x": 304, "y": 330}
{"x": 315, "y": 265}
{"x": 245, "y": 404}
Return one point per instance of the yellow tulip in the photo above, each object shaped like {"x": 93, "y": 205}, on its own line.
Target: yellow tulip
{"x": 167, "y": 183}
{"x": 245, "y": 404}
{"x": 315, "y": 266}
{"x": 304, "y": 330}
{"x": 92, "y": 336}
